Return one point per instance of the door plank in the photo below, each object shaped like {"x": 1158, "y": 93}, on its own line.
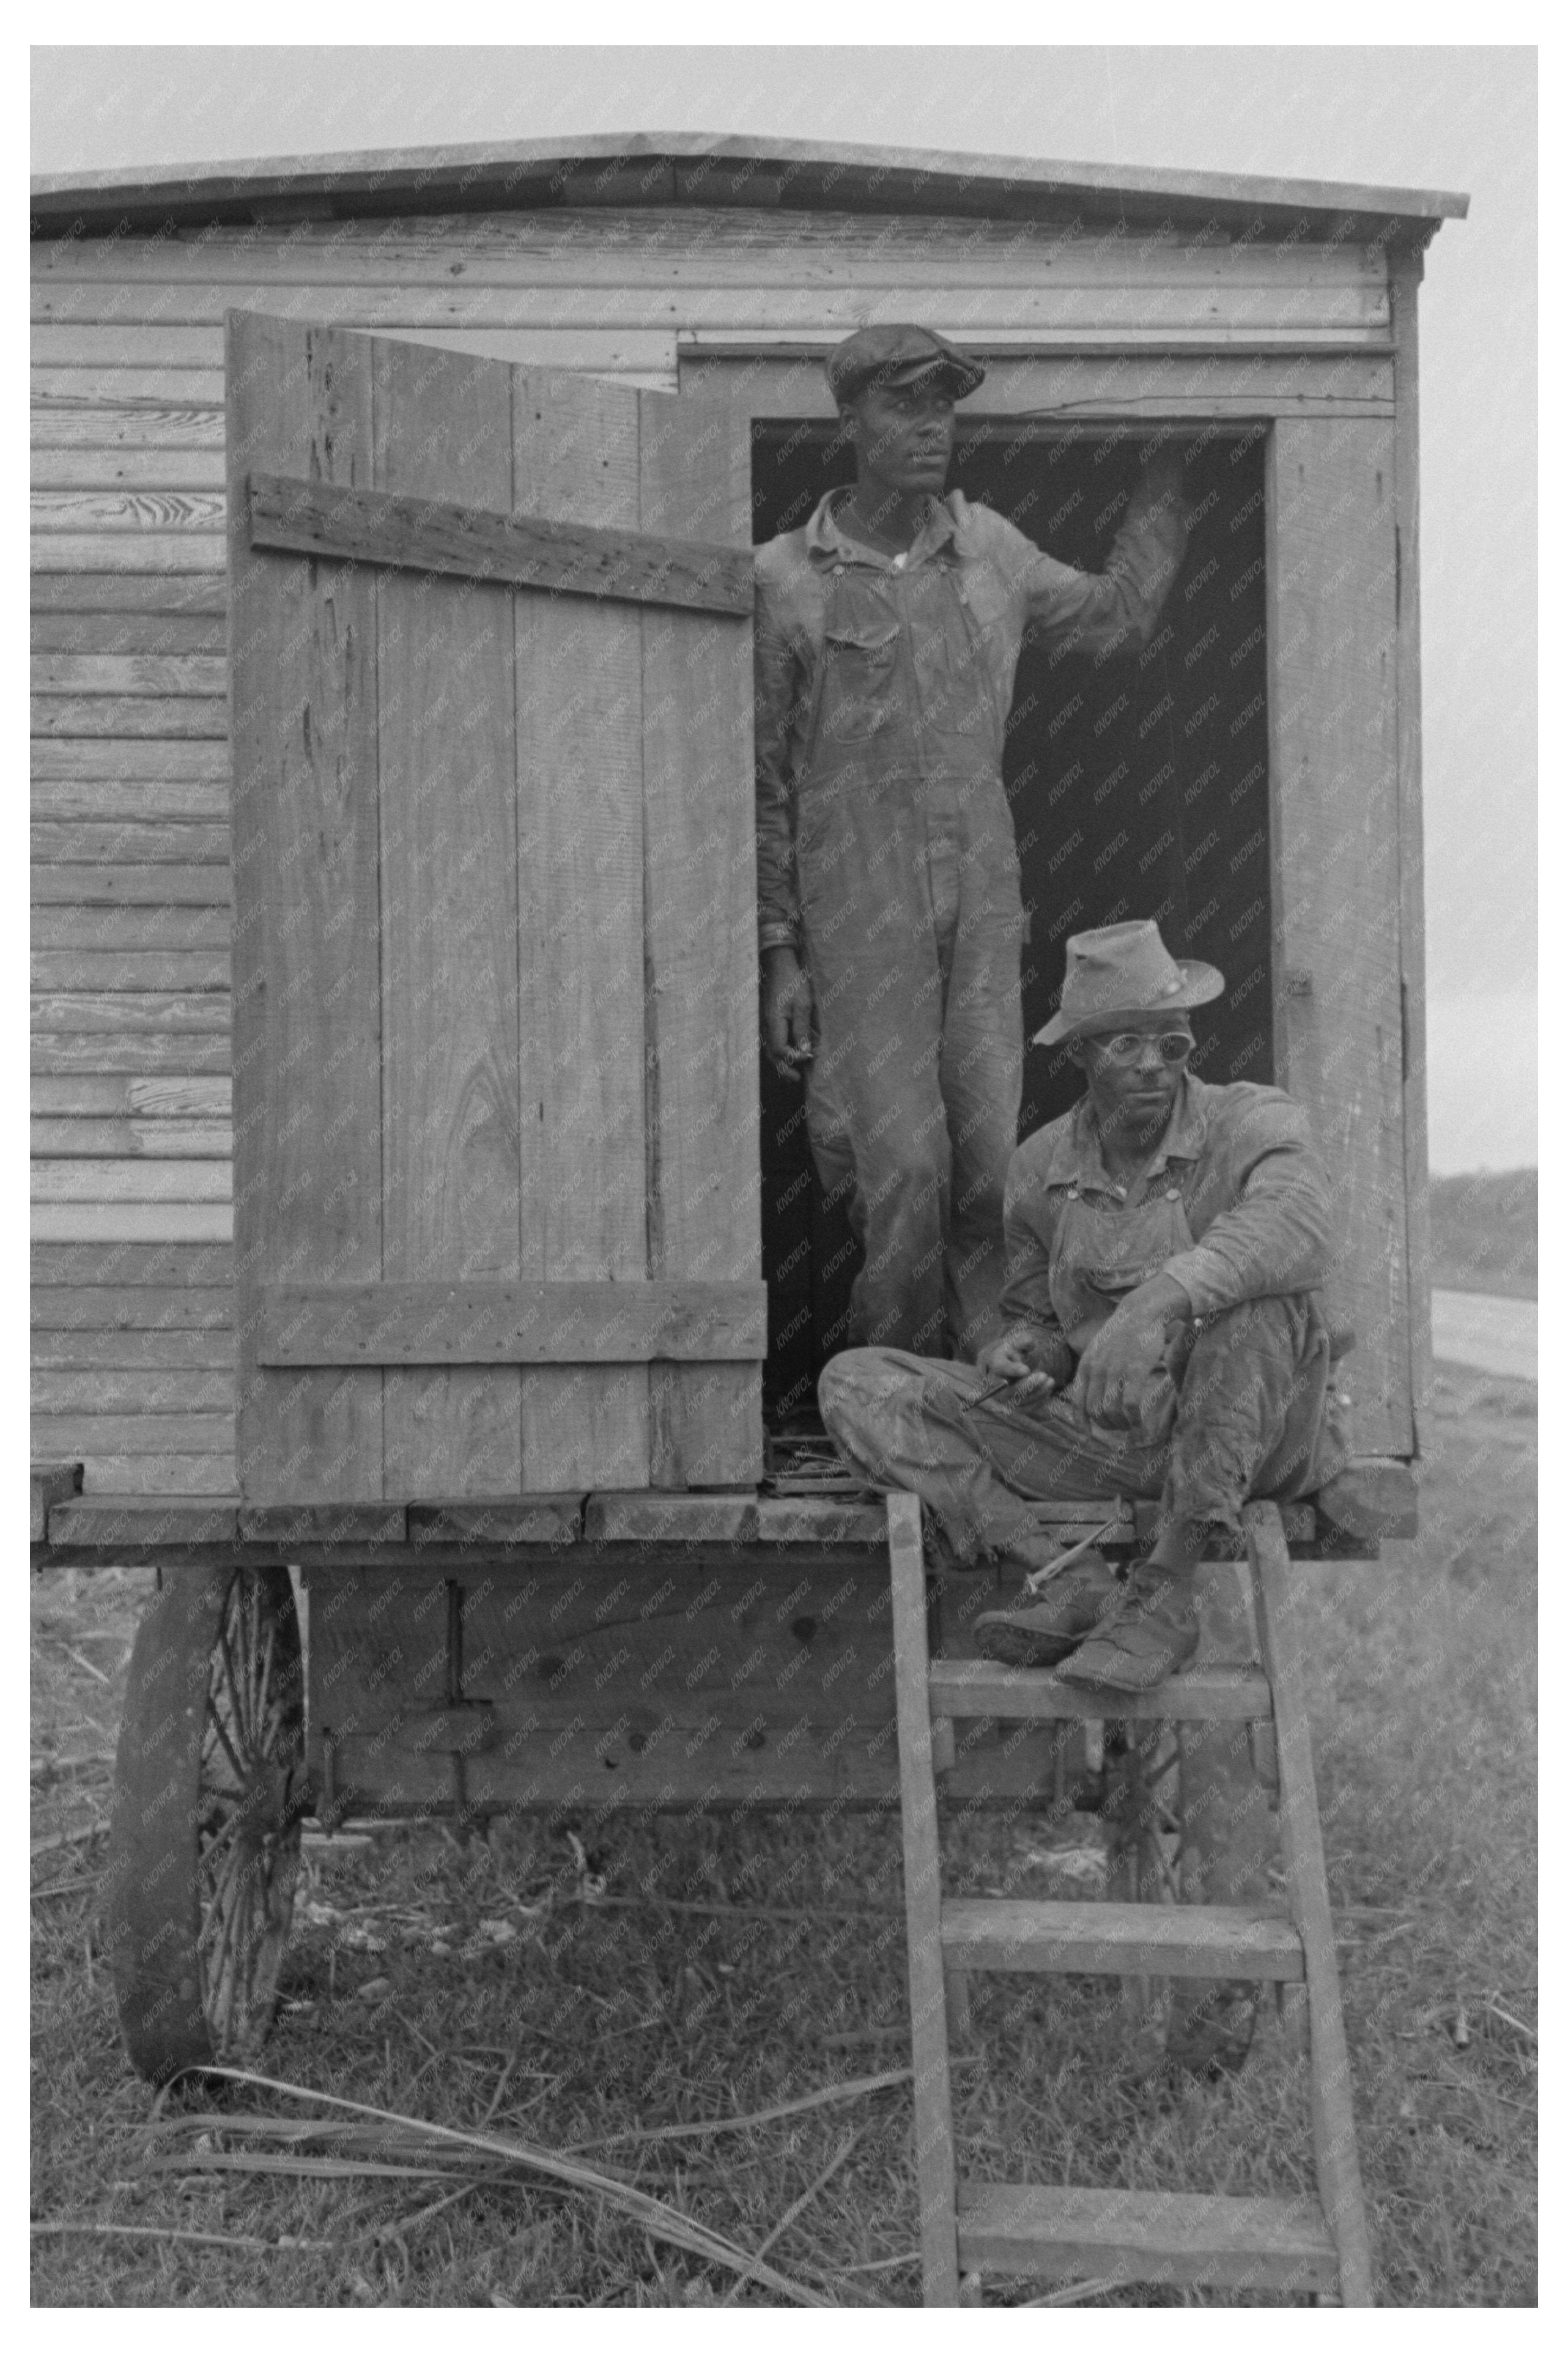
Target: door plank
{"x": 580, "y": 933}
{"x": 700, "y": 897}
{"x": 307, "y": 997}
{"x": 451, "y": 1198}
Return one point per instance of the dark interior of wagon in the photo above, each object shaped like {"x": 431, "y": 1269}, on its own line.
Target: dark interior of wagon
{"x": 1138, "y": 788}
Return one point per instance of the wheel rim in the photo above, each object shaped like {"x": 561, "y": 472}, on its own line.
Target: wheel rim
{"x": 249, "y": 1802}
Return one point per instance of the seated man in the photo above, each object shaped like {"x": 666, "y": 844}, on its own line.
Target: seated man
{"x": 1166, "y": 1241}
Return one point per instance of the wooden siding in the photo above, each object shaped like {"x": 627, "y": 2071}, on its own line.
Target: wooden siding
{"x": 130, "y": 1045}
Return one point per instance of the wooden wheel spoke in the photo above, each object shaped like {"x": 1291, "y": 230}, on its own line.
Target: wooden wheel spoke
{"x": 264, "y": 1708}
{"x": 237, "y": 1632}
{"x": 215, "y": 1720}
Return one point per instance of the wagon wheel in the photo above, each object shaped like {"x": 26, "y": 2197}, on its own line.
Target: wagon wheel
{"x": 209, "y": 1788}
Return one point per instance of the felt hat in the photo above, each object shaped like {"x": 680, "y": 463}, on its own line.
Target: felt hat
{"x": 1121, "y": 969}
{"x": 885, "y": 355}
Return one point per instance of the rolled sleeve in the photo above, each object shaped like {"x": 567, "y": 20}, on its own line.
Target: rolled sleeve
{"x": 1115, "y": 609}
{"x": 1277, "y": 1238}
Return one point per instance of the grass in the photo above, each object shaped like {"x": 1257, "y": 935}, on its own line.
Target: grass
{"x": 560, "y": 1996}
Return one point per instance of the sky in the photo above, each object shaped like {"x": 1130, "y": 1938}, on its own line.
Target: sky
{"x": 1454, "y": 118}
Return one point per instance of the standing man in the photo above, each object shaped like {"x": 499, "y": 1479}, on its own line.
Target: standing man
{"x": 888, "y": 630}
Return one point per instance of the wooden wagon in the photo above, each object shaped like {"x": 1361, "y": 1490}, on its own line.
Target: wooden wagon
{"x": 409, "y": 1214}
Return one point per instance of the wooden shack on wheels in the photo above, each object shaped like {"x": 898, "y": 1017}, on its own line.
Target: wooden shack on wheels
{"x": 410, "y": 1212}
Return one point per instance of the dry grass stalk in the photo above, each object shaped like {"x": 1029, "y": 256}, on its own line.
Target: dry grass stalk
{"x": 663, "y": 2220}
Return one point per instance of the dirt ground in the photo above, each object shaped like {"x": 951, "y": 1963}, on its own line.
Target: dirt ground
{"x": 690, "y": 1974}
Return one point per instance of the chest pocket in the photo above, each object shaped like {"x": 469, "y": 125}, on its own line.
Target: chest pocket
{"x": 859, "y": 666}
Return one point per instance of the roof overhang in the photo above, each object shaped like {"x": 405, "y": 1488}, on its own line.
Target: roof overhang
{"x": 654, "y": 168}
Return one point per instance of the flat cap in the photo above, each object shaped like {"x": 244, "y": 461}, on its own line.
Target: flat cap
{"x": 884, "y": 355}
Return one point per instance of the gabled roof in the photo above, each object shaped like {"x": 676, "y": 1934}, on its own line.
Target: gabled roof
{"x": 658, "y": 167}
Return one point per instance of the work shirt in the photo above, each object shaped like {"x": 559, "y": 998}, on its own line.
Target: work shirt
{"x": 1234, "y": 1205}
{"x": 927, "y": 645}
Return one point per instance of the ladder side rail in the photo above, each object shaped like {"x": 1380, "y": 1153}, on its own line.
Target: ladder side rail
{"x": 1301, "y": 1839}
{"x": 933, "y": 2157}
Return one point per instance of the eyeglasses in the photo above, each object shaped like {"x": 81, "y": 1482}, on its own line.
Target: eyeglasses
{"x": 1127, "y": 1047}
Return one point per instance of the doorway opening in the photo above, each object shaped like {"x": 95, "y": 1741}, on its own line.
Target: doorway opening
{"x": 1138, "y": 786}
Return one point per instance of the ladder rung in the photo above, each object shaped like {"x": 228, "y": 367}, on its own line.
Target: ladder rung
{"x": 1203, "y": 1695}
{"x": 1119, "y": 2235}
{"x": 1176, "y": 1940}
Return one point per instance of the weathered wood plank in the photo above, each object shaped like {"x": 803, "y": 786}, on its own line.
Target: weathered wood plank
{"x": 488, "y": 1322}
{"x": 307, "y": 1100}
{"x": 451, "y": 1183}
{"x": 150, "y": 1011}
{"x": 159, "y": 675}
{"x": 772, "y": 383}
{"x": 127, "y": 633}
{"x": 51, "y": 1483}
{"x": 159, "y": 926}
{"x": 1404, "y": 277}
{"x": 972, "y": 1687}
{"x": 149, "y": 1389}
{"x": 1162, "y": 2236}
{"x": 93, "y": 589}
{"x": 173, "y": 719}
{"x": 96, "y": 468}
{"x": 136, "y": 1139}
{"x": 132, "y": 1221}
{"x": 141, "y": 1309}
{"x": 126, "y": 510}
{"x": 475, "y": 543}
{"x": 78, "y": 1437}
{"x": 128, "y": 1263}
{"x": 923, "y": 1909}
{"x": 186, "y": 763}
{"x": 704, "y": 244}
{"x": 165, "y": 1100}
{"x": 158, "y": 888}
{"x": 174, "y": 428}
{"x": 97, "y": 1348}
{"x": 325, "y": 1524}
{"x": 700, "y": 901}
{"x": 130, "y": 1180}
{"x": 63, "y": 1051}
{"x": 1122, "y": 1939}
{"x": 670, "y": 1519}
{"x": 1335, "y": 850}
{"x": 112, "y": 800}
{"x": 126, "y": 387}
{"x": 163, "y": 1479}
{"x": 536, "y": 1520}
{"x": 1301, "y": 1843}
{"x": 130, "y": 844}
{"x": 580, "y": 924}
{"x": 176, "y": 969}
{"x": 140, "y": 553}
{"x": 108, "y": 1519}
{"x": 130, "y": 930}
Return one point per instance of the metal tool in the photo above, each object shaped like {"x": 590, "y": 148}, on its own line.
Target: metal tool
{"x": 1039, "y": 1577}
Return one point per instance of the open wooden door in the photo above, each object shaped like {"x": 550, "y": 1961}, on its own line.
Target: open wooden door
{"x": 496, "y": 1196}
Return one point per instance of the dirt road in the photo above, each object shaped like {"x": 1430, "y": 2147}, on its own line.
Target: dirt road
{"x": 1496, "y": 1335}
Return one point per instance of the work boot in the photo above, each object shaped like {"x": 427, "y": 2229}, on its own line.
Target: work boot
{"x": 1044, "y": 1627}
{"x": 1154, "y": 1632}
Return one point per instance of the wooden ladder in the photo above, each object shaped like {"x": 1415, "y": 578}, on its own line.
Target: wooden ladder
{"x": 1308, "y": 2244}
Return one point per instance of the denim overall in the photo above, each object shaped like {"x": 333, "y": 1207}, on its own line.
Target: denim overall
{"x": 912, "y": 924}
